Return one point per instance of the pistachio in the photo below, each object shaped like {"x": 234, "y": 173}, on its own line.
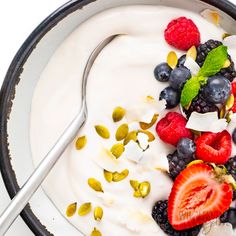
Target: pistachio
{"x": 71, "y": 209}
{"x": 150, "y": 135}
{"x": 134, "y": 184}
{"x": 122, "y": 132}
{"x": 194, "y": 162}
{"x": 116, "y": 176}
{"x": 118, "y": 114}
{"x": 172, "y": 59}
{"x": 130, "y": 136}
{"x": 107, "y": 175}
{"x": 227, "y": 63}
{"x": 192, "y": 52}
{"x": 229, "y": 103}
{"x": 95, "y": 232}
{"x": 117, "y": 149}
{"x": 145, "y": 126}
{"x": 102, "y": 131}
{"x": 95, "y": 185}
{"x": 144, "y": 189}
{"x": 85, "y": 208}
{"x": 98, "y": 213}
{"x": 81, "y": 142}
{"x": 225, "y": 35}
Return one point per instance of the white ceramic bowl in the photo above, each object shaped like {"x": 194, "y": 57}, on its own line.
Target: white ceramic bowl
{"x": 41, "y": 215}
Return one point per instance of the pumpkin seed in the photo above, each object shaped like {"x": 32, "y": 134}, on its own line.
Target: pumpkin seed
{"x": 71, "y": 209}
{"x": 194, "y": 162}
{"x": 118, "y": 114}
{"x": 230, "y": 102}
{"x": 137, "y": 194}
{"x": 122, "y": 132}
{"x": 95, "y": 185}
{"x": 227, "y": 63}
{"x": 81, "y": 142}
{"x": 144, "y": 189}
{"x": 145, "y": 126}
{"x": 222, "y": 112}
{"x": 150, "y": 135}
{"x": 134, "y": 184}
{"x": 228, "y": 116}
{"x": 95, "y": 232}
{"x": 225, "y": 35}
{"x": 130, "y": 136}
{"x": 102, "y": 131}
{"x": 85, "y": 209}
{"x": 117, "y": 149}
{"x": 172, "y": 59}
{"x": 98, "y": 213}
{"x": 192, "y": 52}
{"x": 116, "y": 176}
{"x": 149, "y": 99}
{"x": 107, "y": 175}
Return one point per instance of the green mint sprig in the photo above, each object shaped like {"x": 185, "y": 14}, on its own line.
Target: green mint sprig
{"x": 213, "y": 63}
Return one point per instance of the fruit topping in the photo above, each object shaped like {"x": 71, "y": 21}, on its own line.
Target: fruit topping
{"x": 229, "y": 216}
{"x": 186, "y": 147}
{"x": 159, "y": 214}
{"x": 177, "y": 163}
{"x": 217, "y": 90}
{"x": 172, "y": 128}
{"x": 178, "y": 77}
{"x": 171, "y": 96}
{"x": 182, "y": 33}
{"x": 231, "y": 168}
{"x": 181, "y": 60}
{"x": 234, "y": 136}
{"x": 214, "y": 147}
{"x": 198, "y": 195}
{"x": 162, "y": 72}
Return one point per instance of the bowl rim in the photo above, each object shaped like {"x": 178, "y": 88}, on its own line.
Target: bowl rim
{"x": 12, "y": 78}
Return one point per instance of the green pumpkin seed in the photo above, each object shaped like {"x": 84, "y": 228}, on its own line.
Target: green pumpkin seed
{"x": 84, "y": 209}
{"x": 98, "y": 213}
{"x": 102, "y": 131}
{"x": 134, "y": 184}
{"x": 95, "y": 232}
{"x": 172, "y": 59}
{"x": 71, "y": 209}
{"x": 107, "y": 175}
{"x": 81, "y": 142}
{"x": 229, "y": 103}
{"x": 95, "y": 185}
{"x": 144, "y": 189}
{"x": 116, "y": 176}
{"x": 122, "y": 132}
{"x": 192, "y": 52}
{"x": 137, "y": 194}
{"x": 118, "y": 114}
{"x": 117, "y": 150}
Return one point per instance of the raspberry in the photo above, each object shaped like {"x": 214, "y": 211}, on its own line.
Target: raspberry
{"x": 172, "y": 128}
{"x": 182, "y": 33}
{"x": 214, "y": 147}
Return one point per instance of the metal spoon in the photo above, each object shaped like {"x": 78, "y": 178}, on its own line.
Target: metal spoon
{"x": 34, "y": 181}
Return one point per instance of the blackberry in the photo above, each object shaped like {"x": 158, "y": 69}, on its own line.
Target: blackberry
{"x": 229, "y": 216}
{"x": 159, "y": 214}
{"x": 204, "y": 49}
{"x": 201, "y": 105}
{"x": 177, "y": 163}
{"x": 231, "y": 168}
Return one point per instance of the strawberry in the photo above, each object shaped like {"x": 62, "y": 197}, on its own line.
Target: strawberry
{"x": 197, "y": 196}
{"x": 214, "y": 147}
{"x": 172, "y": 128}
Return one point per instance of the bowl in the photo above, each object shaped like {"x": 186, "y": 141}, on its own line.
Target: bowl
{"x": 41, "y": 215}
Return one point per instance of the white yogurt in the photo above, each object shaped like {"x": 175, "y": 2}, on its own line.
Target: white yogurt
{"x": 122, "y": 75}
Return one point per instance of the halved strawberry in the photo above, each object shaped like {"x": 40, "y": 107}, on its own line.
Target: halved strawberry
{"x": 197, "y": 197}
{"x": 214, "y": 147}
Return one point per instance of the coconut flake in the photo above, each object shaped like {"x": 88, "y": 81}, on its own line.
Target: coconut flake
{"x": 143, "y": 140}
{"x": 133, "y": 126}
{"x": 192, "y": 65}
{"x": 133, "y": 152}
{"x": 206, "y": 122}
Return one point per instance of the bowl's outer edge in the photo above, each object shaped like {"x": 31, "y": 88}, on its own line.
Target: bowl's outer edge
{"x": 12, "y": 78}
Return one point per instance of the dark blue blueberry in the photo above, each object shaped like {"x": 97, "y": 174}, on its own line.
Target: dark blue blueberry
{"x": 217, "y": 90}
{"x": 234, "y": 136}
{"x": 186, "y": 147}
{"x": 178, "y": 77}
{"x": 229, "y": 216}
{"x": 162, "y": 72}
{"x": 181, "y": 60}
{"x": 171, "y": 96}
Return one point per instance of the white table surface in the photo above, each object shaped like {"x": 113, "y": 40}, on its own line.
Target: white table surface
{"x": 17, "y": 20}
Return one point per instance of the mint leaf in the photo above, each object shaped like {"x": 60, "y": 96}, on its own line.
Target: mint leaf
{"x": 214, "y": 61}
{"x": 191, "y": 89}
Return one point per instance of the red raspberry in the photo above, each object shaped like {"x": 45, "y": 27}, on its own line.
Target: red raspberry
{"x": 214, "y": 147}
{"x": 172, "y": 128}
{"x": 182, "y": 33}
{"x": 233, "y": 88}
{"x": 233, "y": 109}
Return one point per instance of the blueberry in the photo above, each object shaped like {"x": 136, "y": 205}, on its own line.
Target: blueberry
{"x": 229, "y": 216}
{"x": 217, "y": 90}
{"x": 171, "y": 96}
{"x": 234, "y": 136}
{"x": 186, "y": 147}
{"x": 162, "y": 72}
{"x": 181, "y": 60}
{"x": 179, "y": 76}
